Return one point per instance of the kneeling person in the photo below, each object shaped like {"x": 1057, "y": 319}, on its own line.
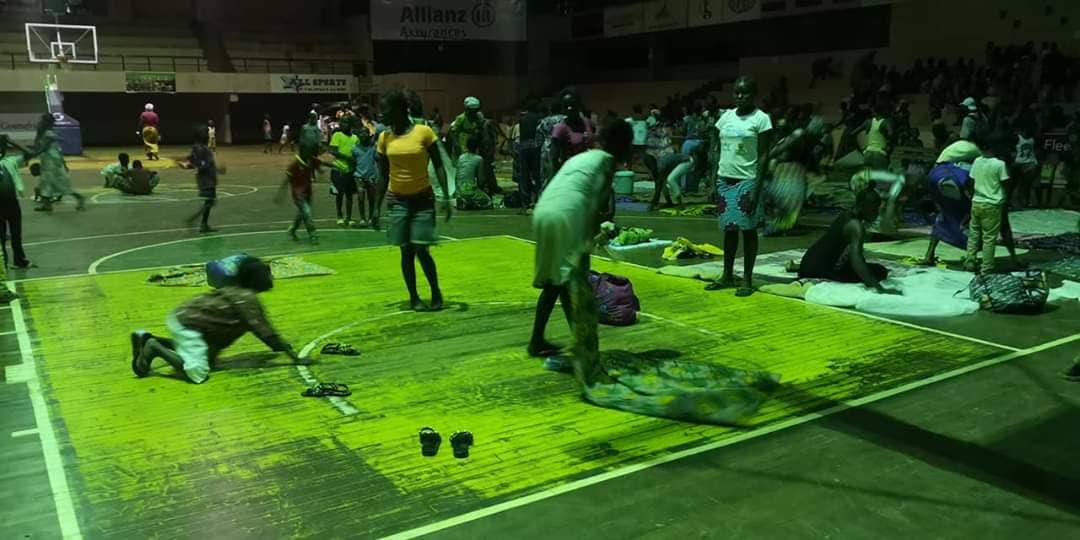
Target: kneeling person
{"x": 205, "y": 325}
{"x": 117, "y": 173}
{"x": 838, "y": 256}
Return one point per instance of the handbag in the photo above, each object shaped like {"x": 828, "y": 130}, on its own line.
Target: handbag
{"x": 1019, "y": 292}
{"x": 615, "y": 297}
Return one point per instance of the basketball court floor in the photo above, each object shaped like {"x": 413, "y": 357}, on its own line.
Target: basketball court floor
{"x": 883, "y": 428}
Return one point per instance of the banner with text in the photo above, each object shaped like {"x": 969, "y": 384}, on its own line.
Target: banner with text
{"x": 665, "y": 15}
{"x": 448, "y": 20}
{"x": 138, "y": 82}
{"x": 624, "y": 20}
{"x": 299, "y": 83}
{"x": 21, "y": 127}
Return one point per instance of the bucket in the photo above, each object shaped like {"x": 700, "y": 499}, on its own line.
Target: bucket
{"x": 624, "y": 183}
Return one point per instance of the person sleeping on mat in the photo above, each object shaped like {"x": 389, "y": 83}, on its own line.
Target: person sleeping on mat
{"x": 838, "y": 256}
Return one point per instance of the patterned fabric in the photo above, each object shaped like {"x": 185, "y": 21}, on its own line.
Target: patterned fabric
{"x": 1062, "y": 243}
{"x": 676, "y": 389}
{"x": 1011, "y": 293}
{"x": 785, "y": 196}
{"x": 280, "y": 268}
{"x": 735, "y": 205}
{"x": 947, "y": 187}
{"x": 55, "y": 180}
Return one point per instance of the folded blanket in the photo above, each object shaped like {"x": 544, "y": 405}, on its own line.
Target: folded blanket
{"x": 195, "y": 275}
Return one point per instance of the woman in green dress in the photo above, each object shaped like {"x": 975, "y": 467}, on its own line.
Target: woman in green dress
{"x": 55, "y": 180}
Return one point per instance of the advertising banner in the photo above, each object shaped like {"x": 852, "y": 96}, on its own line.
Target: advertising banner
{"x": 149, "y": 82}
{"x": 448, "y": 20}
{"x": 665, "y": 15}
{"x": 301, "y": 83}
{"x": 624, "y": 20}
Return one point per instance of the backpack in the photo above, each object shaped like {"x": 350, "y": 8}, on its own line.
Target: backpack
{"x": 222, "y": 272}
{"x": 615, "y": 295}
{"x": 1020, "y": 292}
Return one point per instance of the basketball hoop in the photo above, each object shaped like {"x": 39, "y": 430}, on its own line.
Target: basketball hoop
{"x": 62, "y": 61}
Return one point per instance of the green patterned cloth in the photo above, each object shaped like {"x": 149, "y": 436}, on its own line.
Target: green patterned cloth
{"x": 676, "y": 389}
{"x": 195, "y": 275}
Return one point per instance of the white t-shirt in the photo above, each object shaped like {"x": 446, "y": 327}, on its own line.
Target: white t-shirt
{"x": 739, "y": 143}
{"x": 285, "y": 132}
{"x": 211, "y": 131}
{"x": 641, "y": 130}
{"x": 988, "y": 174}
{"x": 1025, "y": 150}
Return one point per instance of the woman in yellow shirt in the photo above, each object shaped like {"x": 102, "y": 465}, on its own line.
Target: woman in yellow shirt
{"x": 404, "y": 151}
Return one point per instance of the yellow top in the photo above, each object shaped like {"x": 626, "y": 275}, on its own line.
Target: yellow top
{"x": 408, "y": 156}
{"x": 875, "y": 138}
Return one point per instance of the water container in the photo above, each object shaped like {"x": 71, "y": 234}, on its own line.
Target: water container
{"x": 624, "y": 183}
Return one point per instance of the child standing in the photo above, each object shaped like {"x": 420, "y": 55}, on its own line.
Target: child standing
{"x": 469, "y": 177}
{"x": 202, "y": 160}
{"x": 205, "y": 325}
{"x": 988, "y": 173}
{"x": 341, "y": 146}
{"x": 212, "y": 134}
{"x": 299, "y": 177}
{"x": 268, "y": 134}
{"x": 364, "y": 157}
{"x": 285, "y": 138}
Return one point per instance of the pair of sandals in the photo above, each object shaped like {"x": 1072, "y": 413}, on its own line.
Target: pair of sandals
{"x": 328, "y": 389}
{"x": 727, "y": 283}
{"x": 343, "y": 349}
{"x": 430, "y": 441}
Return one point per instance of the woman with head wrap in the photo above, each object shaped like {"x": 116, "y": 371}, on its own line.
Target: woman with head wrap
{"x": 148, "y": 129}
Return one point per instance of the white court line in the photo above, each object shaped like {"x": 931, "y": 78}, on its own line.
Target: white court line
{"x": 7, "y": 333}
{"x": 339, "y": 403}
{"x": 841, "y": 310}
{"x": 54, "y": 462}
{"x": 457, "y": 216}
{"x": 24, "y": 432}
{"x": 94, "y": 265}
{"x": 766, "y": 430}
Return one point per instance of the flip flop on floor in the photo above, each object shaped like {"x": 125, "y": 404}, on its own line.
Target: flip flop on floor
{"x": 743, "y": 292}
{"x": 430, "y": 440}
{"x": 344, "y": 349}
{"x": 327, "y": 389}
{"x": 460, "y": 441}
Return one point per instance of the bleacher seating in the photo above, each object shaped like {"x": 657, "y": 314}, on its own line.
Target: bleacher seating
{"x": 310, "y": 52}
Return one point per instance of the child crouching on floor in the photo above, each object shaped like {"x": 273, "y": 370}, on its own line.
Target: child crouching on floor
{"x": 205, "y": 325}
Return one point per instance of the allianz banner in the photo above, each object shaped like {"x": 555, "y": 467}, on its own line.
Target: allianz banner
{"x": 448, "y": 20}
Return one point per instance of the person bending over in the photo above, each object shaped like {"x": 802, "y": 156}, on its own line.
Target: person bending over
{"x": 838, "y": 256}
{"x": 205, "y": 325}
{"x": 567, "y": 219}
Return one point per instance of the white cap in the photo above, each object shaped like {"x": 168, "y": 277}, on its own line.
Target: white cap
{"x": 472, "y": 103}
{"x": 149, "y": 106}
{"x": 969, "y": 104}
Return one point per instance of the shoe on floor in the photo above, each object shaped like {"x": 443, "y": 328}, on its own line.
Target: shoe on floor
{"x": 340, "y": 222}
{"x": 207, "y": 229}
{"x": 138, "y": 343}
{"x": 292, "y": 233}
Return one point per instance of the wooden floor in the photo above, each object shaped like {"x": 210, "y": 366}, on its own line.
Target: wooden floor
{"x": 245, "y": 456}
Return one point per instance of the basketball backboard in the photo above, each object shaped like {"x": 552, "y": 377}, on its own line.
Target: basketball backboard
{"x": 61, "y": 43}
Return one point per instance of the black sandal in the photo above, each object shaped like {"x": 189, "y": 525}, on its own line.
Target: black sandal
{"x": 327, "y": 389}
{"x": 461, "y": 441}
{"x": 344, "y": 349}
{"x": 430, "y": 440}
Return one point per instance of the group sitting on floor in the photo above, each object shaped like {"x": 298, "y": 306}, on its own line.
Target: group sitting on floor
{"x": 133, "y": 180}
